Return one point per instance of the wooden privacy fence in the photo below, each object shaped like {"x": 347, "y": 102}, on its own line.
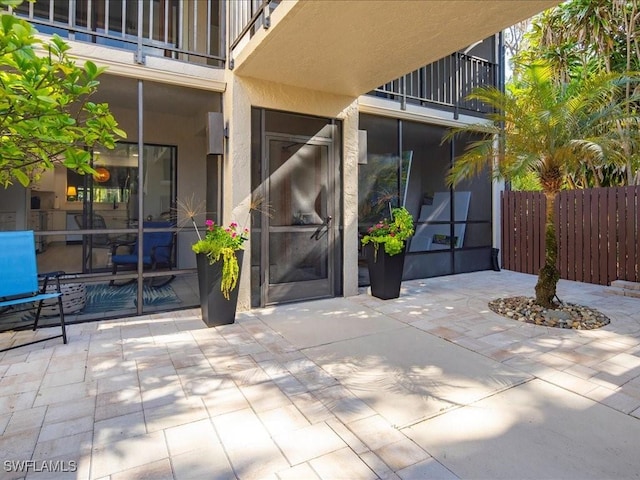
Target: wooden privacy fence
{"x": 597, "y": 231}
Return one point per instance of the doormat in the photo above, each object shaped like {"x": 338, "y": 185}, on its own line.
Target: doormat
{"x": 104, "y": 297}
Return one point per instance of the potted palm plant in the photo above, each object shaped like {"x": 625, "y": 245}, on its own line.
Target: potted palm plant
{"x": 387, "y": 263}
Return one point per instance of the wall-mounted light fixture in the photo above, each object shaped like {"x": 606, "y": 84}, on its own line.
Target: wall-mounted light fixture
{"x": 216, "y": 133}
{"x": 362, "y": 147}
{"x": 72, "y": 193}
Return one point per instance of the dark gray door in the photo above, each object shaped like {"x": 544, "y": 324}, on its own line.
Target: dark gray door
{"x": 298, "y": 241}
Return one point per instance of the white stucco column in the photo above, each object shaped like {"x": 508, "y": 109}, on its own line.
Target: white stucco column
{"x": 350, "y": 199}
{"x": 236, "y": 184}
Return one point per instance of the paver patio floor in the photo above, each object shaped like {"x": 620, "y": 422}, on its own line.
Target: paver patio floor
{"x": 430, "y": 385}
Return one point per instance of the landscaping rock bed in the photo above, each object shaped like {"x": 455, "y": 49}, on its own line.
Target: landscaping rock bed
{"x": 565, "y": 315}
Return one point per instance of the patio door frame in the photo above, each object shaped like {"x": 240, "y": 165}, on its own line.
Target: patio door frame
{"x": 272, "y": 293}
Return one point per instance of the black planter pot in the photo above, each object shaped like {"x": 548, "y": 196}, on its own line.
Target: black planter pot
{"x": 216, "y": 310}
{"x": 385, "y": 272}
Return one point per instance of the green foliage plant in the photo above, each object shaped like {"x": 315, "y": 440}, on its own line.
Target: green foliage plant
{"x": 46, "y": 117}
{"x": 580, "y": 40}
{"x": 222, "y": 242}
{"x": 391, "y": 233}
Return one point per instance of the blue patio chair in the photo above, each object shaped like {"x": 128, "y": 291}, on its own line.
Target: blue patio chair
{"x": 157, "y": 252}
{"x": 19, "y": 281}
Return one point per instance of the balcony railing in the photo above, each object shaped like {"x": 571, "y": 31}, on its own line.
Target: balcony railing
{"x": 247, "y": 16}
{"x": 446, "y": 82}
{"x": 188, "y": 31}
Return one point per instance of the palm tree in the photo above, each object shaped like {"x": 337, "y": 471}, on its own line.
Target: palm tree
{"x": 546, "y": 128}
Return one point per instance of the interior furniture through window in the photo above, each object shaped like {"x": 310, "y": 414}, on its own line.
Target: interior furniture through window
{"x": 157, "y": 253}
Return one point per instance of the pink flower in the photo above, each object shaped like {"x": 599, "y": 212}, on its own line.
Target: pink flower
{"x": 208, "y": 223}
{"x": 233, "y": 225}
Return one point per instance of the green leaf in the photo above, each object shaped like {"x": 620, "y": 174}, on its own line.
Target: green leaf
{"x": 11, "y": 3}
{"x": 20, "y": 176}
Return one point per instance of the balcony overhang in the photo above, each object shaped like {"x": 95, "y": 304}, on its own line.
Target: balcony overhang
{"x": 350, "y": 47}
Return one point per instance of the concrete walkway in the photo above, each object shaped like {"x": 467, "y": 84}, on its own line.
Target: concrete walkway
{"x": 431, "y": 385}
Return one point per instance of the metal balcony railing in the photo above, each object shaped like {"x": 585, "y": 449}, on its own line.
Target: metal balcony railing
{"x": 446, "y": 82}
{"x": 247, "y": 16}
{"x": 190, "y": 31}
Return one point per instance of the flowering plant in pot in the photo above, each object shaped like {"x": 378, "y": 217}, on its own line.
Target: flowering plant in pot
{"x": 219, "y": 251}
{"x": 391, "y": 233}
{"x": 222, "y": 242}
{"x": 385, "y": 271}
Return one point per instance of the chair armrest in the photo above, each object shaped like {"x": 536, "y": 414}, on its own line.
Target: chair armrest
{"x": 50, "y": 275}
{"x": 58, "y": 273}
{"x": 117, "y": 243}
{"x": 158, "y": 250}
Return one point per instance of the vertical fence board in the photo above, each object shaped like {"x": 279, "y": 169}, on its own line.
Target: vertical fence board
{"x": 512, "y": 231}
{"x": 637, "y": 239}
{"x": 622, "y": 234}
{"x": 612, "y": 236}
{"x": 594, "y": 230}
{"x": 530, "y": 232}
{"x": 542, "y": 226}
{"x": 507, "y": 229}
{"x": 572, "y": 207}
{"x": 533, "y": 235}
{"x": 504, "y": 244}
{"x": 582, "y": 247}
{"x": 561, "y": 232}
{"x": 520, "y": 251}
{"x": 630, "y": 273}
{"x": 603, "y": 252}
{"x": 538, "y": 246}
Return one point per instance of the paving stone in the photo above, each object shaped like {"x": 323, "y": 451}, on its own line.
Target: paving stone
{"x": 344, "y": 461}
{"x": 376, "y": 432}
{"x": 401, "y": 454}
{"x": 310, "y": 442}
{"x": 283, "y": 419}
{"x": 65, "y": 428}
{"x": 298, "y": 472}
{"x": 209, "y": 461}
{"x": 158, "y": 470}
{"x": 428, "y": 468}
{"x": 238, "y": 428}
{"x": 264, "y": 459}
{"x": 118, "y": 428}
{"x": 191, "y": 436}
{"x": 128, "y": 453}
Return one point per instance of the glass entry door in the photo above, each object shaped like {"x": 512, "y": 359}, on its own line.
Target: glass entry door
{"x": 298, "y": 241}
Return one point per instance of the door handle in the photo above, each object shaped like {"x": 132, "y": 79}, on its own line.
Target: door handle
{"x": 316, "y": 234}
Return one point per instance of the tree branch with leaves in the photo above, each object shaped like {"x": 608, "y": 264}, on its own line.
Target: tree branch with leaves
{"x": 46, "y": 116}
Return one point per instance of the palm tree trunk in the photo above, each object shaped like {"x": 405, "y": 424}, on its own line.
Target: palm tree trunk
{"x": 549, "y": 275}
